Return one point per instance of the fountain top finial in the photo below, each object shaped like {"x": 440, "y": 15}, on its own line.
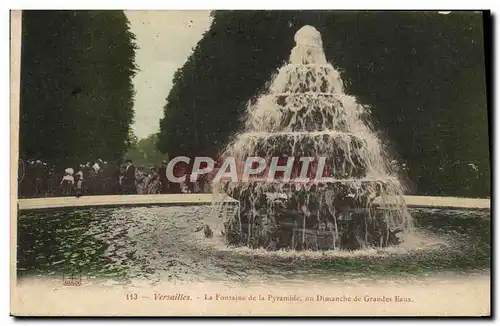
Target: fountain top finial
{"x": 308, "y": 36}
{"x": 308, "y": 47}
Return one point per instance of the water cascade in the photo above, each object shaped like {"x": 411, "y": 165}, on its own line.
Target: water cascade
{"x": 305, "y": 113}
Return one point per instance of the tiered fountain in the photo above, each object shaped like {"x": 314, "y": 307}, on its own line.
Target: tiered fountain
{"x": 306, "y": 113}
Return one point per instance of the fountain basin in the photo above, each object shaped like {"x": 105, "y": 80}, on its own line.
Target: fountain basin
{"x": 119, "y": 201}
{"x": 160, "y": 244}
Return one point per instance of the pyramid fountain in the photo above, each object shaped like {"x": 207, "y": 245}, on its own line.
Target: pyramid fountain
{"x": 306, "y": 120}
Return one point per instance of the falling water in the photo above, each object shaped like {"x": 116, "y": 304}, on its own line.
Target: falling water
{"x": 306, "y": 113}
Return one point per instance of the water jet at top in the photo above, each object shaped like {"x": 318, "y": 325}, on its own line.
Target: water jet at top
{"x": 305, "y": 113}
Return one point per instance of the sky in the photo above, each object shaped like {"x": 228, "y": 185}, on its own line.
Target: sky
{"x": 165, "y": 39}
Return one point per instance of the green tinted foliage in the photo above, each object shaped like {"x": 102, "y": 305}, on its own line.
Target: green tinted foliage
{"x": 422, "y": 74}
{"x": 145, "y": 153}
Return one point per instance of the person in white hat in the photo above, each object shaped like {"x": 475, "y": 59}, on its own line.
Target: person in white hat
{"x": 67, "y": 182}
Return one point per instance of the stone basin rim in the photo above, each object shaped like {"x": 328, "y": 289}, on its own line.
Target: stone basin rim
{"x": 207, "y": 199}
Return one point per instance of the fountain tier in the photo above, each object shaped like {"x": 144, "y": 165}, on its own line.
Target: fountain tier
{"x": 306, "y": 113}
{"x": 296, "y": 78}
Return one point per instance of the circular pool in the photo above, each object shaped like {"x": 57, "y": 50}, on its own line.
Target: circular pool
{"x": 159, "y": 244}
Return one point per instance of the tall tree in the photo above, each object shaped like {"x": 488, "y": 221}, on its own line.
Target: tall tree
{"x": 421, "y": 73}
{"x": 76, "y": 85}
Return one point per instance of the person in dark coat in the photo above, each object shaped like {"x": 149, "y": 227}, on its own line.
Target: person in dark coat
{"x": 162, "y": 174}
{"x": 116, "y": 179}
{"x": 128, "y": 181}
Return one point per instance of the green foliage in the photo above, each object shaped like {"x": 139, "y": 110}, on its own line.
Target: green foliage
{"x": 145, "y": 152}
{"x": 76, "y": 89}
{"x": 422, "y": 74}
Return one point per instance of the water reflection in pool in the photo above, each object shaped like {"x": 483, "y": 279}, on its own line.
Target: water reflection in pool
{"x": 160, "y": 243}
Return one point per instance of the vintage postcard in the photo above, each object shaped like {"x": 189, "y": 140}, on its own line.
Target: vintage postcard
{"x": 250, "y": 163}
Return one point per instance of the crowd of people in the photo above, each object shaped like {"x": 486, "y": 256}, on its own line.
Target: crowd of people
{"x": 38, "y": 179}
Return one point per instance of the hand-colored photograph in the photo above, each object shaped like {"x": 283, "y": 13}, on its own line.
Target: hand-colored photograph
{"x": 250, "y": 163}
